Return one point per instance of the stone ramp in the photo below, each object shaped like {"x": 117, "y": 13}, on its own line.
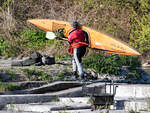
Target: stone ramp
{"x": 50, "y": 87}
{"x": 35, "y": 98}
{"x": 56, "y": 86}
{"x": 61, "y": 104}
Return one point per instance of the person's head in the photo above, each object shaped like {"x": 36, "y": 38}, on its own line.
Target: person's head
{"x": 74, "y": 24}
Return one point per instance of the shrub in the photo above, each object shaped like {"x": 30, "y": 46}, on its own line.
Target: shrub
{"x": 110, "y": 64}
{"x": 34, "y": 40}
{"x": 141, "y": 26}
{"x": 3, "y": 47}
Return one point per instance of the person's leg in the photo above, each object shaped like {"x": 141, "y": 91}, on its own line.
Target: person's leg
{"x": 78, "y": 53}
{"x": 74, "y": 66}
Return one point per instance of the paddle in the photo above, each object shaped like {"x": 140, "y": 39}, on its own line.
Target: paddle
{"x": 52, "y": 36}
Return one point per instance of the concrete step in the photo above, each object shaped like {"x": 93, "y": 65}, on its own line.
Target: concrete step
{"x": 133, "y": 104}
{"x": 78, "y": 111}
{"x": 81, "y": 100}
{"x": 89, "y": 111}
{"x": 125, "y": 111}
{"x": 131, "y": 90}
{"x": 20, "y": 99}
{"x": 61, "y": 104}
{"x": 5, "y": 111}
{"x": 81, "y": 104}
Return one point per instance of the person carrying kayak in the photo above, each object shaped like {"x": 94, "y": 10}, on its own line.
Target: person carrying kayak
{"x": 78, "y": 42}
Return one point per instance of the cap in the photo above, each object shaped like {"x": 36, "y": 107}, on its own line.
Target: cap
{"x": 74, "y": 24}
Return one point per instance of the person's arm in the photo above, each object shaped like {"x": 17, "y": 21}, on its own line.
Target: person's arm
{"x": 86, "y": 37}
{"x": 69, "y": 39}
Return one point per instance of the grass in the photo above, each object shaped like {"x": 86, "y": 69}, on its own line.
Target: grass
{"x": 132, "y": 111}
{"x": 8, "y": 87}
{"x": 63, "y": 57}
{"x": 56, "y": 99}
{"x": 35, "y": 75}
{"x": 62, "y": 76}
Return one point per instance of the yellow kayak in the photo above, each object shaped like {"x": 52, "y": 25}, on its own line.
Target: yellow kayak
{"x": 97, "y": 40}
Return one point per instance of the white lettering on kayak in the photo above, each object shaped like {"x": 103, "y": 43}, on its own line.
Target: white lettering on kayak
{"x": 98, "y": 44}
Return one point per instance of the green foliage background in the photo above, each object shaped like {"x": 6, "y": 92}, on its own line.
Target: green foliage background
{"x": 128, "y": 20}
{"x": 140, "y": 32}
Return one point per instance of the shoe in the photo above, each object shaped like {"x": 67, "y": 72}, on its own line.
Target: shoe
{"x": 75, "y": 75}
{"x": 82, "y": 77}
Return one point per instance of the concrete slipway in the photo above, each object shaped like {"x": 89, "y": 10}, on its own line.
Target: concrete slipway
{"x": 128, "y": 97}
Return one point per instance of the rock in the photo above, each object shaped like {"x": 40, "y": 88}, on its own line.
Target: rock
{"x": 37, "y": 56}
{"x": 26, "y": 62}
{"x": 35, "y": 59}
{"x": 145, "y": 65}
{"x": 102, "y": 76}
{"x": 148, "y": 81}
{"x": 16, "y": 63}
{"x": 48, "y": 60}
{"x": 141, "y": 81}
{"x": 29, "y": 62}
{"x": 25, "y": 58}
{"x": 145, "y": 76}
{"x": 148, "y": 62}
{"x": 5, "y": 77}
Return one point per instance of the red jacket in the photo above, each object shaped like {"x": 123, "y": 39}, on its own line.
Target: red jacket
{"x": 76, "y": 40}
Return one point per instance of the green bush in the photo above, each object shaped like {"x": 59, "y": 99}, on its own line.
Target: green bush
{"x": 30, "y": 40}
{"x": 3, "y": 47}
{"x": 34, "y": 39}
{"x": 8, "y": 49}
{"x": 110, "y": 64}
{"x": 102, "y": 64}
{"x": 141, "y": 26}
